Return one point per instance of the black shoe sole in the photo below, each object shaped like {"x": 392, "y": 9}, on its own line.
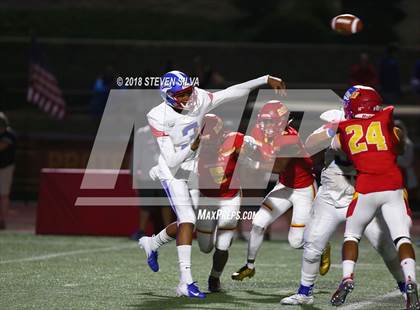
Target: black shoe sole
{"x": 340, "y": 295}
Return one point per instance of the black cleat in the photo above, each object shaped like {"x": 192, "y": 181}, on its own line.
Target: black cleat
{"x": 343, "y": 290}
{"x": 214, "y": 285}
{"x": 412, "y": 297}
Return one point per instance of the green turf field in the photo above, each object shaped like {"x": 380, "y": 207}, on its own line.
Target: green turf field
{"x": 55, "y": 272}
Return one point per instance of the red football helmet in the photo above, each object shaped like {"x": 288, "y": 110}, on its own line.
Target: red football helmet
{"x": 361, "y": 101}
{"x": 233, "y": 142}
{"x": 272, "y": 118}
{"x": 213, "y": 128}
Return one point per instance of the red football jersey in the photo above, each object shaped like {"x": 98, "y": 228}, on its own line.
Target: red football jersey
{"x": 370, "y": 145}
{"x": 216, "y": 167}
{"x": 298, "y": 173}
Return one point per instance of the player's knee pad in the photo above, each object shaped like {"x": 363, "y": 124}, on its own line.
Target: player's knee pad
{"x": 205, "y": 242}
{"x": 295, "y": 237}
{"x": 205, "y": 225}
{"x": 224, "y": 239}
{"x": 401, "y": 240}
{"x": 206, "y": 248}
{"x": 186, "y": 215}
{"x": 229, "y": 222}
{"x": 311, "y": 255}
{"x": 262, "y": 218}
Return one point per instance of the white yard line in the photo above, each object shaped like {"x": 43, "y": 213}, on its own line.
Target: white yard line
{"x": 359, "y": 265}
{"x": 365, "y": 265}
{"x": 60, "y": 254}
{"x": 374, "y": 301}
{"x": 336, "y": 266}
{"x": 41, "y": 241}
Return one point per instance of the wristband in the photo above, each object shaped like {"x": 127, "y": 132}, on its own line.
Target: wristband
{"x": 330, "y": 132}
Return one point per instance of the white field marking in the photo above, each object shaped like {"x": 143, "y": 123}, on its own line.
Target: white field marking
{"x": 53, "y": 255}
{"x": 338, "y": 266}
{"x": 40, "y": 241}
{"x": 376, "y": 300}
{"x": 335, "y": 266}
{"x": 360, "y": 265}
{"x": 365, "y": 265}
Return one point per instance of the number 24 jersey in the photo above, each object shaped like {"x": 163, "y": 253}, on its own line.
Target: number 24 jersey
{"x": 370, "y": 144}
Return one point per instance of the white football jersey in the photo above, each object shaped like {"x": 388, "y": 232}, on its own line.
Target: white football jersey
{"x": 337, "y": 178}
{"x": 175, "y": 131}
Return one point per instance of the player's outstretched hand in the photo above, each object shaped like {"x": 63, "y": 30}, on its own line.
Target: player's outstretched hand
{"x": 277, "y": 84}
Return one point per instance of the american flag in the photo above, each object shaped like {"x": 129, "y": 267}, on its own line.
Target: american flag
{"x": 43, "y": 89}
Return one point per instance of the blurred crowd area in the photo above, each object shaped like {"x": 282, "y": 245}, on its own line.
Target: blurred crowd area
{"x": 90, "y": 43}
{"x": 86, "y": 70}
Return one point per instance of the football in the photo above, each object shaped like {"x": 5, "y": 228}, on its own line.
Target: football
{"x": 346, "y": 24}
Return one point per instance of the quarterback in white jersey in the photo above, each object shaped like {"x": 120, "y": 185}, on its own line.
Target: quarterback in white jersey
{"x": 329, "y": 211}
{"x": 176, "y": 123}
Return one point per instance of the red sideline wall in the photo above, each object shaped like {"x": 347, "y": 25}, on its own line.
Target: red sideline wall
{"x": 57, "y": 213}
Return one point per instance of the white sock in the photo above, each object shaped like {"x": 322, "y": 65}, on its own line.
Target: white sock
{"x": 184, "y": 258}
{"x": 250, "y": 265}
{"x": 409, "y": 268}
{"x": 160, "y": 239}
{"x": 256, "y": 238}
{"x": 309, "y": 272}
{"x": 307, "y": 279}
{"x": 348, "y": 268}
